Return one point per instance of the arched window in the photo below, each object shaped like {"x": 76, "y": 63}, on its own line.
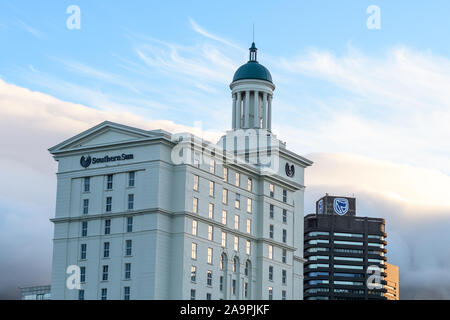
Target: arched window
{"x": 235, "y": 264}
{"x": 247, "y": 268}
{"x": 223, "y": 261}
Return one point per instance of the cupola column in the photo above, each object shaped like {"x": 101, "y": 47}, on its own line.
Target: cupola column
{"x": 247, "y": 110}
{"x": 238, "y": 111}
{"x": 264, "y": 122}
{"x": 256, "y": 110}
{"x": 269, "y": 114}
{"x": 233, "y": 118}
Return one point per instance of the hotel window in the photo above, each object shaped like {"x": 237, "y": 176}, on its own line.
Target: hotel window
{"x": 192, "y": 294}
{"x": 209, "y": 278}
{"x": 109, "y": 182}
{"x": 271, "y": 209}
{"x": 270, "y": 293}
{"x": 83, "y": 251}
{"x": 130, "y": 224}
{"x": 221, "y": 261}
{"x": 128, "y": 247}
{"x": 131, "y": 177}
{"x": 249, "y": 184}
{"x": 249, "y": 226}
{"x": 211, "y": 211}
{"x": 283, "y": 295}
{"x": 236, "y": 243}
{"x": 126, "y": 293}
{"x": 248, "y": 247}
{"x": 284, "y": 216}
{"x": 87, "y": 184}
{"x": 105, "y": 273}
{"x": 107, "y": 226}
{"x": 225, "y": 196}
{"x": 238, "y": 179}
{"x": 283, "y": 276}
{"x": 108, "y": 204}
{"x": 212, "y": 166}
{"x": 208, "y": 296}
{"x": 197, "y": 159}
{"x": 106, "y": 250}
{"x": 80, "y": 294}
{"x": 246, "y": 289}
{"x": 249, "y": 205}
{"x": 271, "y": 190}
{"x": 194, "y": 251}
{"x": 85, "y": 206}
{"x": 271, "y": 273}
{"x": 193, "y": 273}
{"x": 284, "y": 235}
{"x": 224, "y": 239}
{"x": 211, "y": 188}
{"x": 233, "y": 287}
{"x": 195, "y": 205}
{"x": 130, "y": 201}
{"x": 195, "y": 182}
{"x": 224, "y": 217}
{"x": 236, "y": 222}
{"x": 194, "y": 227}
{"x": 284, "y": 256}
{"x": 284, "y": 195}
{"x": 127, "y": 271}
{"x": 84, "y": 226}
{"x": 270, "y": 251}
{"x": 221, "y": 283}
{"x": 246, "y": 270}
{"x": 82, "y": 274}
{"x": 235, "y": 265}
{"x": 210, "y": 233}
{"x": 237, "y": 202}
{"x": 104, "y": 294}
{"x": 225, "y": 174}
{"x": 210, "y": 255}
{"x": 271, "y": 231}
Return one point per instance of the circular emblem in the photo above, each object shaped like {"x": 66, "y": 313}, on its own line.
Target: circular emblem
{"x": 290, "y": 170}
{"x": 340, "y": 206}
{"x": 85, "y": 161}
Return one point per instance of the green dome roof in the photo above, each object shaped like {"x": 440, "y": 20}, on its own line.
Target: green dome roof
{"x": 252, "y": 70}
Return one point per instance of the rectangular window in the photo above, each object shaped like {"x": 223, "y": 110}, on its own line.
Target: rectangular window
{"x": 283, "y": 276}
{"x": 130, "y": 201}
{"x": 192, "y": 294}
{"x": 83, "y": 251}
{"x": 284, "y": 235}
{"x": 210, "y": 233}
{"x": 225, "y": 196}
{"x": 195, "y": 205}
{"x": 208, "y": 296}
{"x": 128, "y": 247}
{"x": 194, "y": 227}
{"x": 224, "y": 217}
{"x": 284, "y": 216}
{"x": 126, "y": 293}
{"x": 209, "y": 278}
{"x": 236, "y": 222}
{"x": 131, "y": 177}
{"x": 270, "y": 251}
{"x": 284, "y": 256}
{"x": 85, "y": 206}
{"x": 271, "y": 231}
{"x": 249, "y": 205}
{"x": 236, "y": 243}
{"x": 246, "y": 289}
{"x": 225, "y": 174}
{"x": 80, "y": 294}
{"x": 105, "y": 273}
{"x": 283, "y": 295}
{"x": 224, "y": 239}
{"x": 107, "y": 226}
{"x": 197, "y": 159}
{"x": 221, "y": 283}
{"x": 248, "y": 247}
{"x": 195, "y": 182}
{"x": 82, "y": 274}
{"x": 271, "y": 211}
{"x": 193, "y": 273}
{"x": 237, "y": 203}
{"x": 249, "y": 226}
{"x": 271, "y": 273}
{"x": 109, "y": 182}
{"x": 130, "y": 224}
{"x": 211, "y": 211}
{"x": 249, "y": 184}
{"x": 211, "y": 188}
{"x": 84, "y": 227}
{"x": 210, "y": 255}
{"x": 270, "y": 293}
{"x": 233, "y": 287}
{"x": 212, "y": 166}
{"x": 238, "y": 179}
{"x": 271, "y": 190}
{"x": 284, "y": 195}
{"x": 87, "y": 184}
{"x": 194, "y": 251}
{"x": 108, "y": 204}
{"x": 106, "y": 250}
{"x": 104, "y": 294}
{"x": 127, "y": 271}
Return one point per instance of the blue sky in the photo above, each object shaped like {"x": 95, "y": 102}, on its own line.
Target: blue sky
{"x": 370, "y": 107}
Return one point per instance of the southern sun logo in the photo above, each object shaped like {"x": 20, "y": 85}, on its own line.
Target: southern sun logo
{"x": 85, "y": 161}
{"x": 340, "y": 206}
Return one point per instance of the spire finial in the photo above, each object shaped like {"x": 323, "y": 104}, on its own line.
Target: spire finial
{"x": 253, "y": 32}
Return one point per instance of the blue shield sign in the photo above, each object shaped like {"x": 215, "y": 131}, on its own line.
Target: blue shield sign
{"x": 340, "y": 206}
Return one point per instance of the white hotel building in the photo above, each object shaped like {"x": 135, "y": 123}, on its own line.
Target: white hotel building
{"x": 142, "y": 224}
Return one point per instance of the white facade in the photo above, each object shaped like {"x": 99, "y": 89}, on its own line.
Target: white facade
{"x": 267, "y": 260}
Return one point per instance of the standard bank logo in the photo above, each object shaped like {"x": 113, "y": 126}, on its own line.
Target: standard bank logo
{"x": 340, "y": 206}
{"x": 85, "y": 161}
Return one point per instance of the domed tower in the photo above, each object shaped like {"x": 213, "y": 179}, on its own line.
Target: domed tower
{"x": 252, "y": 92}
